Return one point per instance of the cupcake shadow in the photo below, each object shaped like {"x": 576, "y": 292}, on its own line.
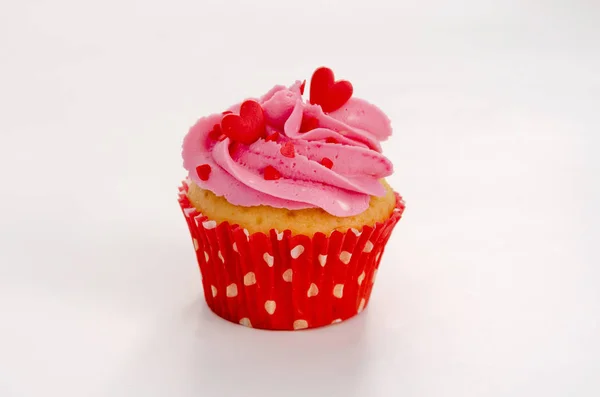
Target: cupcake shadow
{"x": 200, "y": 354}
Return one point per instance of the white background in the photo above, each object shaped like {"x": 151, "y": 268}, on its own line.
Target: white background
{"x": 490, "y": 286}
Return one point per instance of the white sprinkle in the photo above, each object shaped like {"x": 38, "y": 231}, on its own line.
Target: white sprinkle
{"x": 368, "y": 247}
{"x": 338, "y": 290}
{"x": 287, "y": 275}
{"x": 235, "y": 248}
{"x": 297, "y": 251}
{"x": 361, "y": 278}
{"x": 196, "y": 246}
{"x": 231, "y": 290}
{"x": 213, "y": 290}
{"x": 362, "y": 305}
{"x": 322, "y": 260}
{"x": 377, "y": 257}
{"x": 206, "y": 256}
{"x": 337, "y": 320}
{"x": 374, "y": 275}
{"x": 313, "y": 290}
{"x": 300, "y": 324}
{"x": 247, "y": 233}
{"x": 249, "y": 279}
{"x": 279, "y": 235}
{"x": 270, "y": 306}
{"x": 209, "y": 225}
{"x": 345, "y": 257}
{"x": 246, "y": 322}
{"x": 268, "y": 259}
{"x": 220, "y": 256}
{"x": 355, "y": 231}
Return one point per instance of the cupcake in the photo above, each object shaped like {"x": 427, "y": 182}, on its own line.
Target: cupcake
{"x": 287, "y": 205}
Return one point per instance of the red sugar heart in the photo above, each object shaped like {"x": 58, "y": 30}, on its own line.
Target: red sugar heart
{"x": 308, "y": 123}
{"x": 273, "y": 137}
{"x": 327, "y": 162}
{"x": 203, "y": 171}
{"x": 216, "y": 133}
{"x": 248, "y": 126}
{"x": 233, "y": 147}
{"x": 327, "y": 92}
{"x": 271, "y": 174}
{"x": 287, "y": 150}
{"x": 331, "y": 140}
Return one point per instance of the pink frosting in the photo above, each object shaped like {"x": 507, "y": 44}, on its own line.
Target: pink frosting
{"x": 237, "y": 171}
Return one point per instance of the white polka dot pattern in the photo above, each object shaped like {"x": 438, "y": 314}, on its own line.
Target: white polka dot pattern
{"x": 345, "y": 257}
{"x": 323, "y": 260}
{"x": 361, "y": 278}
{"x": 361, "y": 306}
{"x": 268, "y": 259}
{"x": 231, "y": 291}
{"x": 249, "y": 279}
{"x": 300, "y": 324}
{"x": 338, "y": 291}
{"x": 297, "y": 251}
{"x": 287, "y": 275}
{"x": 208, "y": 225}
{"x": 303, "y": 289}
{"x": 270, "y": 307}
{"x": 189, "y": 211}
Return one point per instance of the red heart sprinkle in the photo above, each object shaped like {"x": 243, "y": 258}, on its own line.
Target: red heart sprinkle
{"x": 203, "y": 171}
{"x": 216, "y": 132}
{"x": 302, "y": 87}
{"x": 287, "y": 150}
{"x": 331, "y": 140}
{"x": 309, "y": 123}
{"x": 327, "y": 92}
{"x": 327, "y": 162}
{"x": 248, "y": 126}
{"x": 233, "y": 147}
{"x": 273, "y": 137}
{"x": 271, "y": 174}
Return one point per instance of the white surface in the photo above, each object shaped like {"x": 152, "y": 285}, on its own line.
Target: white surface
{"x": 490, "y": 287}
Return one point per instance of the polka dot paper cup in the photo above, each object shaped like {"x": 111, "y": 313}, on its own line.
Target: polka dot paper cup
{"x": 277, "y": 281}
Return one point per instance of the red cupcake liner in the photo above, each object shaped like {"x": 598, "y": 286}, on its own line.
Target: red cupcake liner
{"x": 280, "y": 281}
